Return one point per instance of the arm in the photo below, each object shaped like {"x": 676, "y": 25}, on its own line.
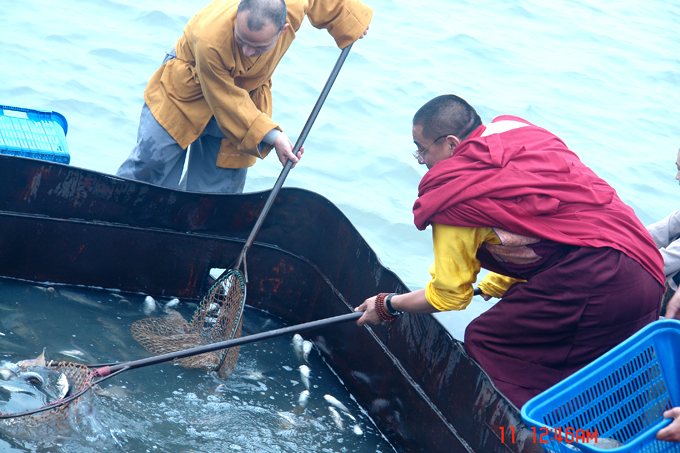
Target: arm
{"x": 664, "y": 231}
{"x": 345, "y": 20}
{"x": 495, "y": 285}
{"x": 665, "y": 234}
{"x": 453, "y": 272}
{"x": 413, "y": 302}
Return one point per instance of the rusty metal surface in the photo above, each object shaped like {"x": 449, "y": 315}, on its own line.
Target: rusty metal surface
{"x": 65, "y": 225}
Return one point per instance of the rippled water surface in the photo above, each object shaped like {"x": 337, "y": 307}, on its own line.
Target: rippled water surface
{"x": 602, "y": 75}
{"x": 167, "y": 408}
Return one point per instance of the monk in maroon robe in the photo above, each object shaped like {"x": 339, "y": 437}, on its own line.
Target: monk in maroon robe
{"x": 582, "y": 273}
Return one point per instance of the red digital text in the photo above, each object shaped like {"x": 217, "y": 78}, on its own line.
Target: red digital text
{"x": 545, "y": 434}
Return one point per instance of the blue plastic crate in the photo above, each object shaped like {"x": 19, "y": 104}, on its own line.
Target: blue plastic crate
{"x": 622, "y": 396}
{"x": 39, "y": 134}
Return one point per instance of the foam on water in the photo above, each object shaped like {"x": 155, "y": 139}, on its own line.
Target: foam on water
{"x": 602, "y": 75}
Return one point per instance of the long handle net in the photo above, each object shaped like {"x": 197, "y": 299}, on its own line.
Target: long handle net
{"x": 218, "y": 317}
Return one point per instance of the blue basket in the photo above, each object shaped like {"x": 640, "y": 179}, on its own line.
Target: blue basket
{"x": 39, "y": 134}
{"x": 622, "y": 396}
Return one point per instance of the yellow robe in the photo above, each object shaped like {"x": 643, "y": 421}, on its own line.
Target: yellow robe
{"x": 455, "y": 267}
{"x": 211, "y": 76}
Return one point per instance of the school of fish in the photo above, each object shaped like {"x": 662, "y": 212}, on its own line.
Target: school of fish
{"x": 302, "y": 350}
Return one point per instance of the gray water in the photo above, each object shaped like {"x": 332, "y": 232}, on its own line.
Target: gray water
{"x": 164, "y": 407}
{"x": 603, "y": 75}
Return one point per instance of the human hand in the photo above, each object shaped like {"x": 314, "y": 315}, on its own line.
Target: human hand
{"x": 365, "y": 33}
{"x": 284, "y": 150}
{"x": 671, "y": 433}
{"x": 673, "y": 306}
{"x": 369, "y": 316}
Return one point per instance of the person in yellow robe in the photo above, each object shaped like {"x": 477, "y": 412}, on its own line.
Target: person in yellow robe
{"x": 213, "y": 91}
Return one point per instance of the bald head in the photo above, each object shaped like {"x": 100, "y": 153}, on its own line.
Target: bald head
{"x": 447, "y": 114}
{"x": 260, "y": 13}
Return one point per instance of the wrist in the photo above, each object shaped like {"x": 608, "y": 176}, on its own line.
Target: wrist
{"x": 390, "y": 308}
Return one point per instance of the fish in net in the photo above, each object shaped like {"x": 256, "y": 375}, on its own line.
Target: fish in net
{"x": 218, "y": 317}
{"x": 58, "y": 417}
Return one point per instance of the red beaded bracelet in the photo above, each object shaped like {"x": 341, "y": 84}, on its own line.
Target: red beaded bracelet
{"x": 381, "y": 310}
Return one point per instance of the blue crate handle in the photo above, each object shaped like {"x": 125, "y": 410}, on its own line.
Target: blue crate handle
{"x": 61, "y": 119}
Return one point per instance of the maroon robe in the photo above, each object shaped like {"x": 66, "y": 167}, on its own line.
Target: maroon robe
{"x": 603, "y": 286}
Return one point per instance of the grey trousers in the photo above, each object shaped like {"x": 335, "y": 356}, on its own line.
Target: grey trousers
{"x": 158, "y": 159}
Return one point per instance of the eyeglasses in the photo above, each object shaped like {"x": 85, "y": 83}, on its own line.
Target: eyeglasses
{"x": 418, "y": 154}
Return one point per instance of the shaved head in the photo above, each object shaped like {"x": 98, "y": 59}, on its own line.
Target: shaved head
{"x": 447, "y": 114}
{"x": 263, "y": 12}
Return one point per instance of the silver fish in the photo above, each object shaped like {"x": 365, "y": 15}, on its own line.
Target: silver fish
{"x": 172, "y": 303}
{"x": 357, "y": 430}
{"x": 39, "y": 361}
{"x": 332, "y": 400}
{"x": 335, "y": 415}
{"x": 62, "y": 385}
{"x": 297, "y": 346}
{"x": 304, "y": 397}
{"x": 254, "y": 375}
{"x": 604, "y": 443}
{"x": 32, "y": 387}
{"x": 149, "y": 305}
{"x": 288, "y": 420}
{"x": 306, "y": 349}
{"x": 80, "y": 298}
{"x": 304, "y": 375}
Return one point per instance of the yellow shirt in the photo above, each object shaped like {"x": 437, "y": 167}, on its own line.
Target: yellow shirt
{"x": 455, "y": 267}
{"x": 211, "y": 76}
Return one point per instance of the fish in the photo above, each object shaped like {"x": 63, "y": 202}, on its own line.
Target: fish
{"x": 306, "y": 349}
{"x": 304, "y": 397}
{"x": 297, "y": 345}
{"x": 172, "y": 303}
{"x": 254, "y": 375}
{"x": 31, "y": 387}
{"x": 604, "y": 443}
{"x": 357, "y": 430}
{"x": 288, "y": 420}
{"x": 39, "y": 361}
{"x": 332, "y": 400}
{"x": 304, "y": 375}
{"x": 63, "y": 386}
{"x": 114, "y": 392}
{"x": 149, "y": 305}
{"x": 72, "y": 353}
{"x": 335, "y": 415}
{"x": 49, "y": 291}
{"x": 81, "y": 299}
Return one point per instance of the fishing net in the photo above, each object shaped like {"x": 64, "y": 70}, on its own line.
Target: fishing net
{"x": 218, "y": 317}
{"x": 57, "y": 419}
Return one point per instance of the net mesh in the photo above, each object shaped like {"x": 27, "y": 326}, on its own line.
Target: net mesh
{"x": 217, "y": 318}
{"x": 57, "y": 419}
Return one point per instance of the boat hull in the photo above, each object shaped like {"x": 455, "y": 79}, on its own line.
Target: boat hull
{"x": 68, "y": 226}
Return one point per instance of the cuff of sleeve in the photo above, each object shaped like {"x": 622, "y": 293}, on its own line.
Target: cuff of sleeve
{"x": 495, "y": 285}
{"x": 250, "y": 143}
{"x": 271, "y": 136}
{"x": 353, "y": 26}
{"x": 446, "y": 300}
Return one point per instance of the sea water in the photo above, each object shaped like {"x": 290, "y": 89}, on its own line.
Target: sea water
{"x": 167, "y": 408}
{"x": 603, "y": 75}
